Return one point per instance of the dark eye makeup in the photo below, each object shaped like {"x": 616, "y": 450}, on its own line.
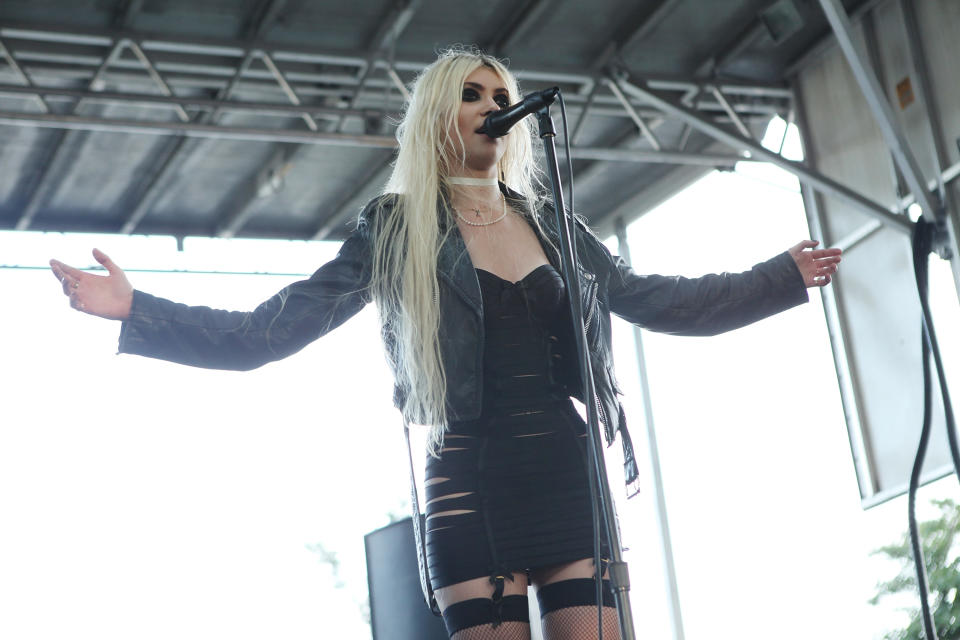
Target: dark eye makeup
{"x": 472, "y": 95}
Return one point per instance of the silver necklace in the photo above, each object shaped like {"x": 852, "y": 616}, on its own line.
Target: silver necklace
{"x": 487, "y": 223}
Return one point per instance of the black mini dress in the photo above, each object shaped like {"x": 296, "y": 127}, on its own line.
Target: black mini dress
{"x": 515, "y": 478}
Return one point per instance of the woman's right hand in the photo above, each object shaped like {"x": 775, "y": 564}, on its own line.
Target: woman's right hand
{"x": 108, "y": 296}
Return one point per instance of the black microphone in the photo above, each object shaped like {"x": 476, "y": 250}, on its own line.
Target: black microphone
{"x": 500, "y": 122}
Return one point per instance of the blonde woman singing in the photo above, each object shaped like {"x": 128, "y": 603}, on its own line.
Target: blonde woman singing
{"x": 460, "y": 256}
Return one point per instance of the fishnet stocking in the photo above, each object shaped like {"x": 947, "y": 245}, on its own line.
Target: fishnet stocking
{"x": 504, "y": 631}
{"x": 580, "y": 623}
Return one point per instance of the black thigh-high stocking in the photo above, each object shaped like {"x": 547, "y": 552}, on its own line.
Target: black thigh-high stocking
{"x": 568, "y": 610}
{"x": 481, "y": 619}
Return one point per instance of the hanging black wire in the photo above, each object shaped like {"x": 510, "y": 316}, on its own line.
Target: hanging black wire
{"x": 922, "y": 241}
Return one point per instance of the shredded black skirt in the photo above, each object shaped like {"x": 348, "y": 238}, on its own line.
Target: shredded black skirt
{"x": 510, "y": 491}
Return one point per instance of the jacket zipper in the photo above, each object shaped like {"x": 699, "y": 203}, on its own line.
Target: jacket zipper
{"x": 591, "y": 306}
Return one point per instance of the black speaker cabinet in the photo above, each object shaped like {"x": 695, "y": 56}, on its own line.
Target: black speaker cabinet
{"x": 397, "y": 609}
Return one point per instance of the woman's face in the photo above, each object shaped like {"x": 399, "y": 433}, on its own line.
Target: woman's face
{"x": 483, "y": 93}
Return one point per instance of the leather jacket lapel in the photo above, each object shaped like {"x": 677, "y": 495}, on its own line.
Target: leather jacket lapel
{"x": 456, "y": 268}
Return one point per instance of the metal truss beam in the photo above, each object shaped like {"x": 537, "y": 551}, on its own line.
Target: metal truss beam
{"x": 198, "y": 130}
{"x": 88, "y": 123}
{"x": 745, "y": 99}
{"x": 756, "y": 150}
{"x": 193, "y": 64}
{"x": 209, "y": 53}
{"x": 184, "y": 102}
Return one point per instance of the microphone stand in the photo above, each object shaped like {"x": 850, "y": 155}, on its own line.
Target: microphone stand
{"x": 619, "y": 578}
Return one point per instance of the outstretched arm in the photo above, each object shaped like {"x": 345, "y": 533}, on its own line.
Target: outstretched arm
{"x": 217, "y": 339}
{"x": 721, "y": 302}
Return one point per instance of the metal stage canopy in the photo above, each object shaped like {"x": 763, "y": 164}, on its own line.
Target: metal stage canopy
{"x": 275, "y": 118}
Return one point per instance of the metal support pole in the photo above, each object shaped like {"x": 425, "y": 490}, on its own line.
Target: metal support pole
{"x": 666, "y": 546}
{"x": 850, "y": 392}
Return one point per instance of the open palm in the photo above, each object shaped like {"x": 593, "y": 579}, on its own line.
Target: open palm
{"x": 108, "y": 296}
{"x": 815, "y": 265}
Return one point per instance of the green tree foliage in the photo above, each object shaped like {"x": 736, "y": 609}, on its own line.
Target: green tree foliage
{"x": 943, "y": 571}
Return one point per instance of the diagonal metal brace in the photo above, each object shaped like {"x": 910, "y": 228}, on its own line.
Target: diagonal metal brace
{"x": 734, "y": 139}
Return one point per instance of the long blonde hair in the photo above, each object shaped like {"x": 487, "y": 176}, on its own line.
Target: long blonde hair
{"x": 409, "y": 230}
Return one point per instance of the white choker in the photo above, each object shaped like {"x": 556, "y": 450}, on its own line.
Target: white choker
{"x": 473, "y": 182}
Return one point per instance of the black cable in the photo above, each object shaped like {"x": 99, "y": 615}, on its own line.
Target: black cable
{"x": 922, "y": 240}
{"x": 922, "y": 248}
{"x": 592, "y": 480}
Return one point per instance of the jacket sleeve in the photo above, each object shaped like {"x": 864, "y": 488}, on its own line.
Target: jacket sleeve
{"x": 284, "y": 324}
{"x": 707, "y": 305}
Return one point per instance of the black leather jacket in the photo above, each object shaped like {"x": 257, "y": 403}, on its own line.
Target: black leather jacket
{"x": 306, "y": 310}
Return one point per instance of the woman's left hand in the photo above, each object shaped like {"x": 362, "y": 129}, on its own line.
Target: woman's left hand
{"x": 816, "y": 266}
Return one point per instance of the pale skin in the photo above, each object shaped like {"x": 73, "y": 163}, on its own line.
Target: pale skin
{"x": 508, "y": 248}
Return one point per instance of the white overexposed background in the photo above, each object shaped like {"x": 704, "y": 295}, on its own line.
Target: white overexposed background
{"x": 144, "y": 499}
